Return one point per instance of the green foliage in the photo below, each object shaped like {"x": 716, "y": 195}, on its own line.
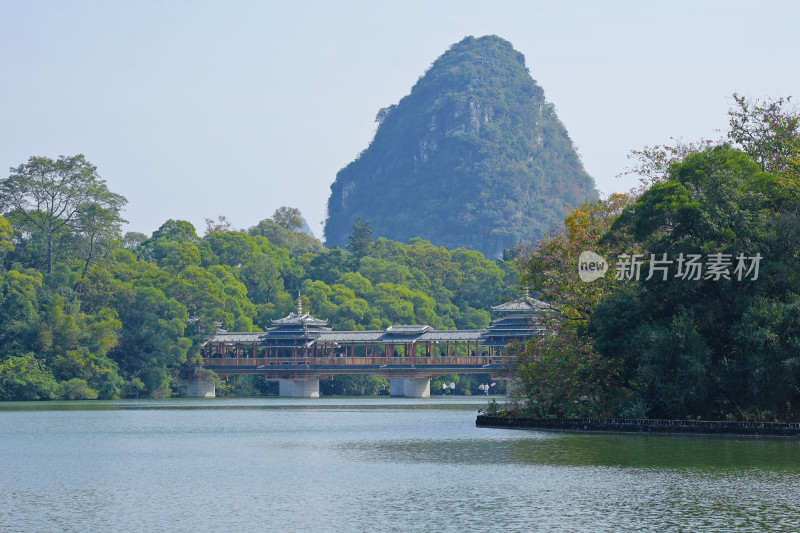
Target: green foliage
{"x": 360, "y": 240}
{"x": 59, "y": 205}
{"x": 24, "y": 378}
{"x": 246, "y": 386}
{"x": 125, "y": 321}
{"x": 19, "y": 312}
{"x": 77, "y": 389}
{"x": 681, "y": 348}
{"x": 767, "y": 131}
{"x": 674, "y": 369}
{"x": 288, "y": 217}
{"x": 174, "y": 231}
{"x": 285, "y": 230}
{"x": 95, "y": 371}
{"x": 473, "y": 157}
{"x": 354, "y": 386}
{"x": 6, "y": 234}
{"x": 706, "y": 348}
{"x": 561, "y": 375}
{"x": 151, "y": 339}
{"x": 769, "y": 361}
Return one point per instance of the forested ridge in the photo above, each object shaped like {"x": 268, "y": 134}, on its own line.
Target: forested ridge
{"x": 474, "y": 156}
{"x": 87, "y": 312}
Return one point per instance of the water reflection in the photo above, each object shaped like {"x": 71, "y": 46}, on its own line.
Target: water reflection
{"x": 629, "y": 451}
{"x": 378, "y": 464}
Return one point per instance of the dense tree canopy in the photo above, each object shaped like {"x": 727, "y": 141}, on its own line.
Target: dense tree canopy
{"x": 706, "y": 326}
{"x": 119, "y": 317}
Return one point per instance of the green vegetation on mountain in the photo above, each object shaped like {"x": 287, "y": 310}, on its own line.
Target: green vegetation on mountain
{"x": 473, "y": 157}
{"x": 86, "y": 312}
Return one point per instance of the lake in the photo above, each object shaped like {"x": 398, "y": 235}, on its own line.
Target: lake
{"x": 377, "y": 464}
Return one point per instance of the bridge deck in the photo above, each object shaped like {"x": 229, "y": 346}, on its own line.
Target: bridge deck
{"x": 290, "y": 368}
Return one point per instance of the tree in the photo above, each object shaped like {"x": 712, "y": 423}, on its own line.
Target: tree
{"x": 174, "y": 231}
{"x": 551, "y": 266}
{"x": 151, "y": 340}
{"x": 52, "y": 196}
{"x": 24, "y": 378}
{"x": 100, "y": 225}
{"x": 692, "y": 347}
{"x": 288, "y": 217}
{"x": 560, "y": 374}
{"x": 360, "y": 240}
{"x": 768, "y": 131}
{"x": 221, "y": 225}
{"x": 132, "y": 240}
{"x": 652, "y": 163}
{"x": 282, "y": 237}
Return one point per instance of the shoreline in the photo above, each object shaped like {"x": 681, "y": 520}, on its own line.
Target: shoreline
{"x": 642, "y": 426}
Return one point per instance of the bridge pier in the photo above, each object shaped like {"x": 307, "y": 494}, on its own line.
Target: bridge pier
{"x": 299, "y": 388}
{"x": 198, "y": 388}
{"x": 410, "y": 387}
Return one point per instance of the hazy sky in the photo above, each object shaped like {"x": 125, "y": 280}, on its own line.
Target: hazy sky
{"x": 194, "y": 109}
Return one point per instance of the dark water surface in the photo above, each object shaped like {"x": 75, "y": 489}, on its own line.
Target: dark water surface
{"x": 371, "y": 465}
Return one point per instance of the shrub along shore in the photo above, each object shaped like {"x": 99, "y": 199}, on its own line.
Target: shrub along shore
{"x": 627, "y": 425}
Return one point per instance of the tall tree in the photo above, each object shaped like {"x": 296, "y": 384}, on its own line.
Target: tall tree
{"x": 360, "y": 240}
{"x": 50, "y": 195}
{"x": 288, "y": 217}
{"x": 99, "y": 224}
{"x": 767, "y": 131}
{"x": 221, "y": 225}
{"x": 173, "y": 231}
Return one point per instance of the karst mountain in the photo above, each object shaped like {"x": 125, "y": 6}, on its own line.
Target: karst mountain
{"x": 473, "y": 157}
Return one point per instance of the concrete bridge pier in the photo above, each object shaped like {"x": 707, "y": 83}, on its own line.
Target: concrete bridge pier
{"x": 299, "y": 388}
{"x": 410, "y": 387}
{"x": 198, "y": 388}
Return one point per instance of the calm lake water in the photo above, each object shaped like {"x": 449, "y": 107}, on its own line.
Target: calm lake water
{"x": 371, "y": 465}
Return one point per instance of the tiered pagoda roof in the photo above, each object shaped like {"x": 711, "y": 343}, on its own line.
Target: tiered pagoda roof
{"x": 296, "y": 330}
{"x": 516, "y": 320}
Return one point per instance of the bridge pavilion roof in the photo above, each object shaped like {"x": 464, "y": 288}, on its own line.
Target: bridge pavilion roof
{"x": 516, "y": 320}
{"x": 295, "y": 330}
{"x": 452, "y": 335}
{"x": 237, "y": 337}
{"x": 526, "y": 304}
{"x": 411, "y": 335}
{"x": 299, "y": 319}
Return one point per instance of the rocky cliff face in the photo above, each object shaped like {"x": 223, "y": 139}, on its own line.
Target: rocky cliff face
{"x": 474, "y": 156}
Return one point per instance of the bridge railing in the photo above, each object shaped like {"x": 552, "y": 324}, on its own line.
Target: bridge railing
{"x": 354, "y": 361}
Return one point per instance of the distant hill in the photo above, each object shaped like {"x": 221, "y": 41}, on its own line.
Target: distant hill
{"x": 474, "y": 156}
{"x": 305, "y": 227}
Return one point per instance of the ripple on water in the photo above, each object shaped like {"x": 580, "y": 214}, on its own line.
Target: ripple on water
{"x": 343, "y": 466}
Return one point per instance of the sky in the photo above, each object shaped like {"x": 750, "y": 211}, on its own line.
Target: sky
{"x": 196, "y": 109}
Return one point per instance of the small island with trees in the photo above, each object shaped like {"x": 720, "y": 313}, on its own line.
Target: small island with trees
{"x": 717, "y": 343}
